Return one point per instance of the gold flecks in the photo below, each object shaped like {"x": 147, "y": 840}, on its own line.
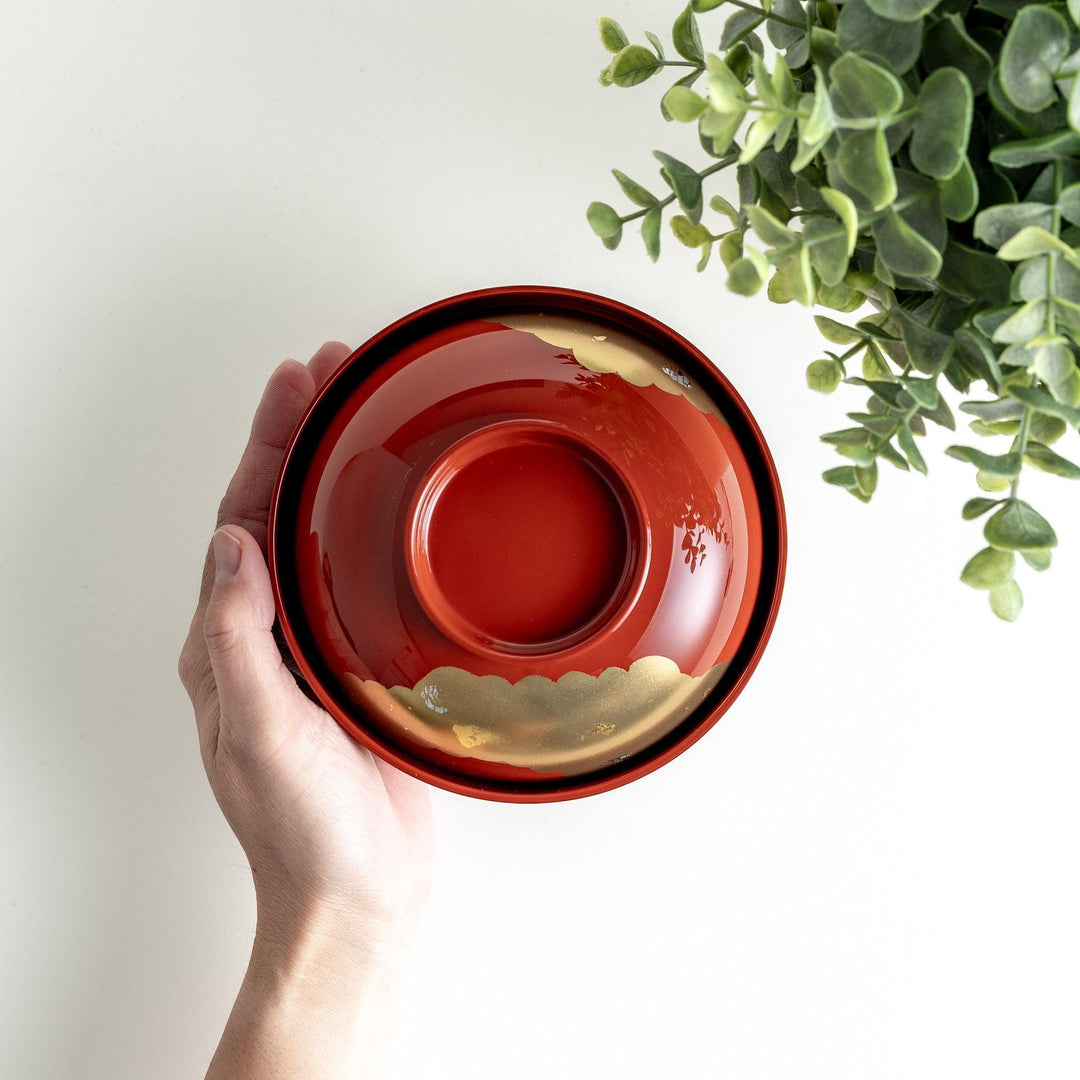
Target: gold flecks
{"x": 613, "y": 351}
{"x": 469, "y": 735}
{"x": 571, "y": 725}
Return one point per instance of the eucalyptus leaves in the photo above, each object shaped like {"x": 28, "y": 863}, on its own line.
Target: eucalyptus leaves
{"x": 922, "y": 156}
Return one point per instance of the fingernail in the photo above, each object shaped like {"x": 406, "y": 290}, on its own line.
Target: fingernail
{"x": 227, "y": 552}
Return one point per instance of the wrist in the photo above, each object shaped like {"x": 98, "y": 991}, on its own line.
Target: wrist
{"x": 305, "y": 940}
{"x": 320, "y": 995}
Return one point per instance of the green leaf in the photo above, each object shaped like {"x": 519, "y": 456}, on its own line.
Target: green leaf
{"x": 874, "y": 367}
{"x": 1068, "y": 202}
{"x": 1017, "y": 527}
{"x": 887, "y": 451}
{"x": 842, "y": 476}
{"x": 689, "y": 234}
{"x": 650, "y": 232}
{"x": 683, "y": 104}
{"x": 988, "y": 482}
{"x": 923, "y": 392}
{"x": 827, "y": 243}
{"x": 845, "y": 211}
{"x": 604, "y": 220}
{"x": 940, "y": 136}
{"x": 1034, "y": 47}
{"x": 1007, "y": 602}
{"x": 821, "y": 120}
{"x": 654, "y": 41}
{"x": 1031, "y": 241}
{"x": 837, "y": 332}
{"x": 771, "y": 231}
{"x": 726, "y": 91}
{"x": 903, "y": 10}
{"x": 633, "y": 64}
{"x": 824, "y": 376}
{"x": 1053, "y": 363}
{"x": 783, "y": 36}
{"x": 720, "y": 128}
{"x": 612, "y": 242}
{"x": 1006, "y": 466}
{"x": 1046, "y": 429}
{"x": 975, "y": 508}
{"x": 731, "y": 249}
{"x": 738, "y": 25}
{"x": 685, "y": 37}
{"x": 974, "y": 275}
{"x": 865, "y": 89}
{"x": 1042, "y": 457}
{"x": 948, "y": 44}
{"x": 861, "y": 29}
{"x": 684, "y": 182}
{"x": 992, "y": 411}
{"x": 866, "y": 477}
{"x": 1025, "y": 323}
{"x": 722, "y": 206}
{"x": 989, "y": 569}
{"x": 797, "y": 276}
{"x": 978, "y": 356}
{"x": 1039, "y": 559}
{"x": 1057, "y": 146}
{"x": 1044, "y": 403}
{"x": 747, "y": 274}
{"x": 997, "y": 224}
{"x": 926, "y": 348}
{"x": 705, "y": 5}
{"x": 612, "y": 35}
{"x": 638, "y": 195}
{"x": 759, "y": 134}
{"x": 902, "y": 249}
{"x": 865, "y": 163}
{"x": 907, "y": 443}
{"x": 960, "y": 193}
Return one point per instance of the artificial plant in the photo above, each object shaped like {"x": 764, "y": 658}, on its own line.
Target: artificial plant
{"x": 916, "y": 156}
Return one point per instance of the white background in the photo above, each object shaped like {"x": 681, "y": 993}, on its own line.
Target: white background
{"x": 867, "y": 869}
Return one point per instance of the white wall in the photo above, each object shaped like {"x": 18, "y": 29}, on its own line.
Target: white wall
{"x": 868, "y": 869}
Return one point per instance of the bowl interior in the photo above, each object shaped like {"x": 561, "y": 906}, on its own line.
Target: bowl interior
{"x": 527, "y": 544}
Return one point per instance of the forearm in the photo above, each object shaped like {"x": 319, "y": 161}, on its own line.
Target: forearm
{"x": 319, "y": 999}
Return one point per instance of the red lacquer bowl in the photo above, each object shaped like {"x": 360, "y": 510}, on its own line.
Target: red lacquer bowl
{"x": 527, "y": 544}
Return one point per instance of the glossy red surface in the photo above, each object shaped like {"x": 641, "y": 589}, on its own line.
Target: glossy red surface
{"x": 465, "y": 495}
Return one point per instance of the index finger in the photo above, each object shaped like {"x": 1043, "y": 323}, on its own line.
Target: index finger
{"x": 288, "y": 393}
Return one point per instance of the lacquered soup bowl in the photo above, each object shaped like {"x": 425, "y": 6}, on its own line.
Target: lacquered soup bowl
{"x": 527, "y": 544}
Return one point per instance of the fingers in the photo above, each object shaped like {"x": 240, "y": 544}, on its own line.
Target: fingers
{"x": 247, "y": 499}
{"x": 260, "y": 704}
{"x": 327, "y": 360}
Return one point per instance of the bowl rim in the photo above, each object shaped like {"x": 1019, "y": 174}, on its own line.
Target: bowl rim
{"x": 488, "y": 303}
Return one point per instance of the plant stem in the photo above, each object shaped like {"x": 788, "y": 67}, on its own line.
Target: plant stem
{"x": 767, "y": 14}
{"x": 1020, "y": 444}
{"x": 716, "y": 166}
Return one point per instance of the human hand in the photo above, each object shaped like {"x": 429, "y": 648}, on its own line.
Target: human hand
{"x": 338, "y": 840}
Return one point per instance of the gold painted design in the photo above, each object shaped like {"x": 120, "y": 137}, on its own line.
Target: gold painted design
{"x": 613, "y": 351}
{"x": 571, "y": 725}
{"x": 469, "y": 735}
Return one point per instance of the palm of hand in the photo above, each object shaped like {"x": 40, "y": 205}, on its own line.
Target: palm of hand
{"x": 320, "y": 818}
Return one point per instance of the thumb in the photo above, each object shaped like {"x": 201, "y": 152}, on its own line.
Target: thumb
{"x": 257, "y": 695}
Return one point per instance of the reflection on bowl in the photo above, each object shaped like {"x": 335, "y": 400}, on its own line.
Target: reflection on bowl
{"x": 527, "y": 544}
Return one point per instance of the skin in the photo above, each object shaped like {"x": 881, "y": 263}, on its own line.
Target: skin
{"x": 339, "y": 841}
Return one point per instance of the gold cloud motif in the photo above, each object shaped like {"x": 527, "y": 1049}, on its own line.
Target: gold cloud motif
{"x": 613, "y": 351}
{"x": 571, "y": 725}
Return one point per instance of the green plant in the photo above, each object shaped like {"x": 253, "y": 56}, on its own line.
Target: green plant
{"x": 916, "y": 155}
